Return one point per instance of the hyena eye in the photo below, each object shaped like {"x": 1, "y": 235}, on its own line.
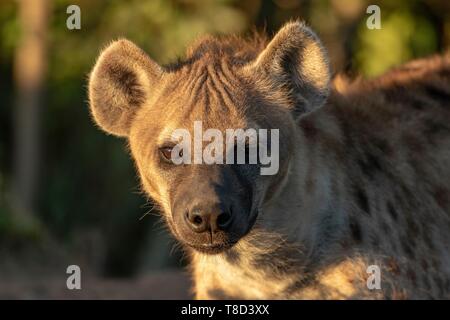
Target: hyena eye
{"x": 166, "y": 153}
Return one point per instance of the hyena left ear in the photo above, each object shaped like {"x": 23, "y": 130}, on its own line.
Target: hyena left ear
{"x": 120, "y": 83}
{"x": 296, "y": 62}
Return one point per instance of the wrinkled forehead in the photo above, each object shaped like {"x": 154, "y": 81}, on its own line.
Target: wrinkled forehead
{"x": 206, "y": 94}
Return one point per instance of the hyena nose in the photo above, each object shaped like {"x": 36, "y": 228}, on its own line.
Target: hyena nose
{"x": 208, "y": 220}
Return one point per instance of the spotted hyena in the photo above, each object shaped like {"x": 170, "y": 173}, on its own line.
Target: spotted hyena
{"x": 363, "y": 177}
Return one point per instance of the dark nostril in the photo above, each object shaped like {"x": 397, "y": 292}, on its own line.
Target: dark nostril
{"x": 197, "y": 220}
{"x": 223, "y": 220}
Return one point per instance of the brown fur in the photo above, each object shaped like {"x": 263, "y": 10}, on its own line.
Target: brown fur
{"x": 364, "y": 173}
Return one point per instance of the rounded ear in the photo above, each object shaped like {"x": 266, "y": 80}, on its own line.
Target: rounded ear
{"x": 296, "y": 62}
{"x": 119, "y": 85}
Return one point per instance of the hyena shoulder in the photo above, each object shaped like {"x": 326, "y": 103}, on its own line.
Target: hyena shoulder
{"x": 393, "y": 144}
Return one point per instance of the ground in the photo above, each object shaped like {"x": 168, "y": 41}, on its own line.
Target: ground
{"x": 39, "y": 272}
{"x": 163, "y": 285}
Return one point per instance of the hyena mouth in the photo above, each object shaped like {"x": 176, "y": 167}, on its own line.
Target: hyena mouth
{"x": 212, "y": 248}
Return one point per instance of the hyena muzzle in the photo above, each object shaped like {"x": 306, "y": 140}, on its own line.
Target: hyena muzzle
{"x": 362, "y": 177}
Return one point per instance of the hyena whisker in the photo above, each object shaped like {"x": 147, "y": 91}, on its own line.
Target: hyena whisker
{"x": 177, "y": 246}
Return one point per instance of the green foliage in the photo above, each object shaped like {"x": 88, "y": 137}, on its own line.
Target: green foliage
{"x": 16, "y": 231}
{"x": 163, "y": 28}
{"x": 9, "y": 29}
{"x": 404, "y": 35}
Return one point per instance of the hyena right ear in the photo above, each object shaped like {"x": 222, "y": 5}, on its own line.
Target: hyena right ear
{"x": 295, "y": 62}
{"x": 119, "y": 85}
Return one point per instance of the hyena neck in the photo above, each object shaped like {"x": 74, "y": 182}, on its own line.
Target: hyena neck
{"x": 309, "y": 212}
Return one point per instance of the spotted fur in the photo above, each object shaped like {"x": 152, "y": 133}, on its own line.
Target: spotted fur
{"x": 365, "y": 165}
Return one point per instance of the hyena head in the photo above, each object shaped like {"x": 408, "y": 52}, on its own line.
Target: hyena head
{"x": 226, "y": 83}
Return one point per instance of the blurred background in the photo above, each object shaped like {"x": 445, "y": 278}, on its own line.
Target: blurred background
{"x": 69, "y": 194}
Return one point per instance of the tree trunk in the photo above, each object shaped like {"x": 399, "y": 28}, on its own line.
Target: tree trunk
{"x": 30, "y": 66}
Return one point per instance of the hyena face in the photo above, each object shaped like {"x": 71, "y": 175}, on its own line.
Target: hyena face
{"x": 207, "y": 206}
{"x": 225, "y": 84}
